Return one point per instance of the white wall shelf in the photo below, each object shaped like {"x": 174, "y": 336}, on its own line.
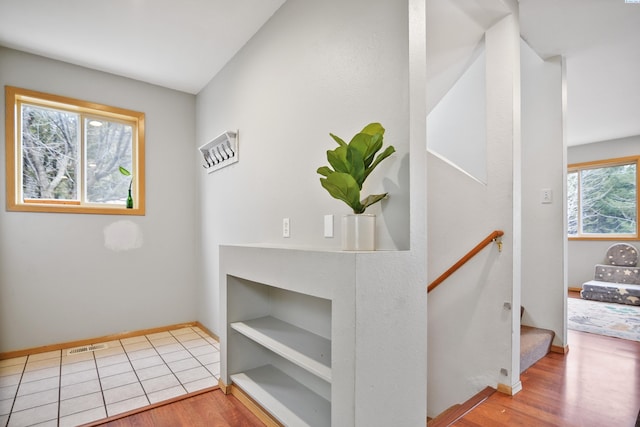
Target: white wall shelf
{"x": 290, "y": 402}
{"x": 220, "y": 152}
{"x": 306, "y": 349}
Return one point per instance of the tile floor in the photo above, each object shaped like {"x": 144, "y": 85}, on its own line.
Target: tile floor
{"x": 56, "y": 389}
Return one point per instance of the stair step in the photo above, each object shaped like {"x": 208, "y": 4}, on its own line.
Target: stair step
{"x": 457, "y": 411}
{"x": 535, "y": 343}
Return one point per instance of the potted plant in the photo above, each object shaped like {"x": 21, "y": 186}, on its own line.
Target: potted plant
{"x": 351, "y": 164}
{"x": 125, "y": 172}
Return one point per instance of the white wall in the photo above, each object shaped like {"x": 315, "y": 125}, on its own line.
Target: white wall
{"x": 453, "y": 34}
{"x": 471, "y": 335}
{"x": 583, "y": 255}
{"x": 543, "y": 154}
{"x": 58, "y": 281}
{"x": 314, "y": 68}
{"x": 457, "y": 125}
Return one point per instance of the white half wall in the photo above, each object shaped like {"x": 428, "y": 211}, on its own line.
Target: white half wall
{"x": 60, "y": 279}
{"x": 543, "y": 168}
{"x": 314, "y": 68}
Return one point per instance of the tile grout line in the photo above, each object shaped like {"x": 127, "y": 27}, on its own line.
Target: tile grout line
{"x": 196, "y": 357}
{"x": 59, "y": 389}
{"x": 24, "y": 370}
{"x": 15, "y": 396}
{"x": 104, "y": 402}
{"x": 126, "y": 353}
{"x": 60, "y": 400}
{"x": 167, "y": 363}
{"x": 217, "y": 350}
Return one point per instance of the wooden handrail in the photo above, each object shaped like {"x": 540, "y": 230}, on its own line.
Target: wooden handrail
{"x": 490, "y": 238}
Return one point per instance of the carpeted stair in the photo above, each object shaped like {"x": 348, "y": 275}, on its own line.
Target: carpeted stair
{"x": 535, "y": 343}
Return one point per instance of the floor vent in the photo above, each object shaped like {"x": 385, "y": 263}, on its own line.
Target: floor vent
{"x": 86, "y": 348}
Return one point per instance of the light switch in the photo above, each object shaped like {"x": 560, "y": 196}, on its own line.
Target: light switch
{"x": 328, "y": 226}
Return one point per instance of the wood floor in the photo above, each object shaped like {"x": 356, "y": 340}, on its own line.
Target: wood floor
{"x": 210, "y": 409}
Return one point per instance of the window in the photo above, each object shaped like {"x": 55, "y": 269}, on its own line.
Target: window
{"x": 602, "y": 199}
{"x": 67, "y": 155}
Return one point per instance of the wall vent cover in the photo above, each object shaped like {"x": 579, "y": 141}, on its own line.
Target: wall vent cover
{"x": 86, "y": 348}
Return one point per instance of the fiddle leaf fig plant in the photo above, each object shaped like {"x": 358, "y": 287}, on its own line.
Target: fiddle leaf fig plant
{"x": 352, "y": 163}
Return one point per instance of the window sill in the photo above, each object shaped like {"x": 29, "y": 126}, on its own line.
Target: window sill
{"x": 605, "y": 238}
{"x": 78, "y": 209}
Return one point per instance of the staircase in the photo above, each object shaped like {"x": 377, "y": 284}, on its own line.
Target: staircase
{"x": 535, "y": 343}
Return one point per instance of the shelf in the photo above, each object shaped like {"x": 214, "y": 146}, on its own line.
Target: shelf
{"x": 288, "y": 401}
{"x": 307, "y": 350}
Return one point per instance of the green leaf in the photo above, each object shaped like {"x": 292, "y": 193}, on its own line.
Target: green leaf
{"x": 343, "y": 187}
{"x": 339, "y": 140}
{"x": 338, "y": 159}
{"x": 325, "y": 170}
{"x": 360, "y": 142}
{"x": 124, "y": 172}
{"x": 356, "y": 165}
{"x": 386, "y": 153}
{"x": 373, "y": 128}
{"x": 374, "y": 146}
{"x": 374, "y": 198}
{"x": 348, "y": 160}
{"x": 368, "y": 145}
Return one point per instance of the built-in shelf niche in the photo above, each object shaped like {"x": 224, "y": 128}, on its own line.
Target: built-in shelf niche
{"x": 280, "y": 350}
{"x": 220, "y": 152}
{"x": 324, "y": 338}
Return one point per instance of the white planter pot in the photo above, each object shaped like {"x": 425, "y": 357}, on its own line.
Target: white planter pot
{"x": 359, "y": 232}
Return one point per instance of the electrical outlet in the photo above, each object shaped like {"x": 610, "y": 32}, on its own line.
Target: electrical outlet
{"x": 286, "y": 232}
{"x": 546, "y": 195}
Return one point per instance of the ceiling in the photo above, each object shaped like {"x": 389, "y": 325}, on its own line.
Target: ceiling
{"x": 182, "y": 45}
{"x": 600, "y": 40}
{"x": 176, "y": 44}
